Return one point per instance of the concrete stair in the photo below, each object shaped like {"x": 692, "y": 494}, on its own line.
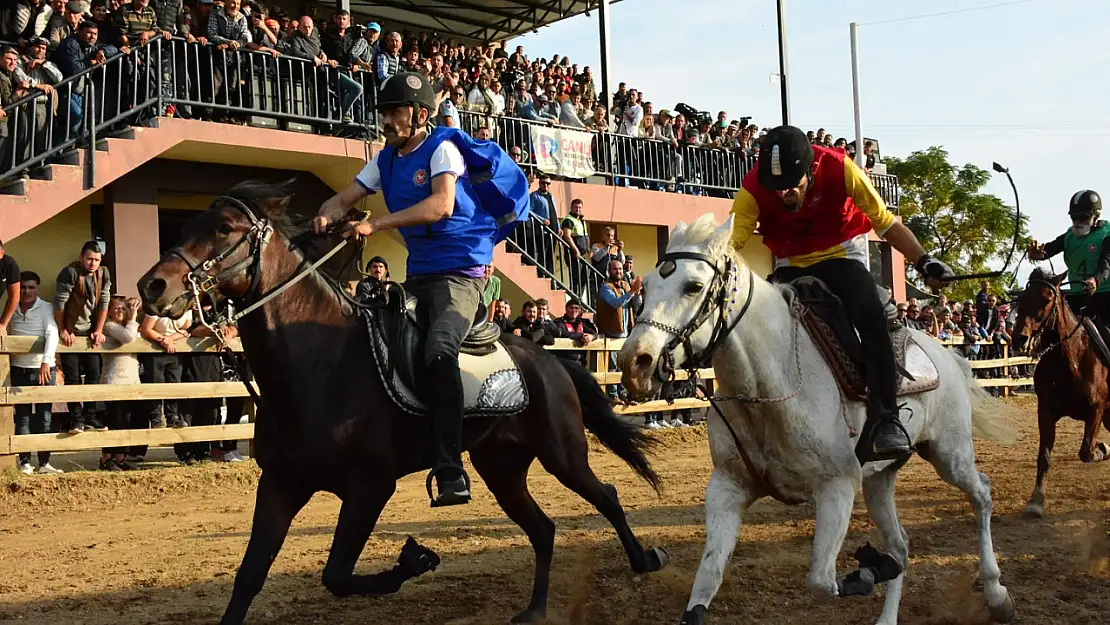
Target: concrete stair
{"x": 527, "y": 277}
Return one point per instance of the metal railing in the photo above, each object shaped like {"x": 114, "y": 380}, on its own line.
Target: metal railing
{"x": 174, "y": 77}
{"x": 544, "y": 248}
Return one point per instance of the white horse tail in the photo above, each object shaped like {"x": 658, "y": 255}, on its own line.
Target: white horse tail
{"x": 990, "y": 417}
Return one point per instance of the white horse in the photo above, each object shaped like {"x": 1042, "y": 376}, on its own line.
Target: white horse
{"x": 797, "y": 437}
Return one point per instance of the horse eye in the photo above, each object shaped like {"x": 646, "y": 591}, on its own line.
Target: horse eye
{"x": 693, "y": 288}
{"x": 224, "y": 229}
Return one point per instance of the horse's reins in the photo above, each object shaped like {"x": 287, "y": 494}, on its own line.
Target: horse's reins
{"x": 724, "y": 279}
{"x": 1052, "y": 319}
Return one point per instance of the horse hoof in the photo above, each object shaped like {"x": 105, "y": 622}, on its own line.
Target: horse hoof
{"x": 1003, "y": 612}
{"x": 1034, "y": 510}
{"x": 695, "y": 616}
{"x": 528, "y": 616}
{"x": 658, "y": 559}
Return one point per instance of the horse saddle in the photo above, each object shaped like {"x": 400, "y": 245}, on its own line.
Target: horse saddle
{"x": 492, "y": 382}
{"x": 822, "y": 314}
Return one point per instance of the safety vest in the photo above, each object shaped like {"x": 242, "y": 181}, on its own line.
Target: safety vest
{"x": 1081, "y": 254}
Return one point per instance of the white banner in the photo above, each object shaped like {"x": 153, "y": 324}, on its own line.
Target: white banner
{"x": 563, "y": 152}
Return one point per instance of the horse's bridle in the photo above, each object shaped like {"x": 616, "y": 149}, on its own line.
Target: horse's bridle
{"x": 721, "y": 293}
{"x": 199, "y": 279}
{"x": 1050, "y": 321}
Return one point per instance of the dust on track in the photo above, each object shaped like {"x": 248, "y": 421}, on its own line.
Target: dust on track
{"x": 162, "y": 546}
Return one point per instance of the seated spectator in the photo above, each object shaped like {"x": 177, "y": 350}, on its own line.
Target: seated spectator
{"x": 542, "y": 311}
{"x": 81, "y": 295}
{"x": 33, "y": 317}
{"x": 121, "y": 329}
{"x": 534, "y": 328}
{"x": 503, "y": 315}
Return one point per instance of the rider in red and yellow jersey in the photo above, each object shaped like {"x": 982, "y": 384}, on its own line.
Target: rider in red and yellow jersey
{"x": 815, "y": 209}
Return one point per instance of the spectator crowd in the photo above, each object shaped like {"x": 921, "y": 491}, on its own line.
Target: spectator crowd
{"x": 83, "y": 310}
{"x": 228, "y": 60}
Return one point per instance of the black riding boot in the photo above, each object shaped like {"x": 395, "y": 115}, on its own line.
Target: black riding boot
{"x": 889, "y": 439}
{"x": 445, "y": 407}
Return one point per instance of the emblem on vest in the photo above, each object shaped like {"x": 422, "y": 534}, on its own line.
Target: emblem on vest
{"x": 1091, "y": 248}
{"x": 420, "y": 178}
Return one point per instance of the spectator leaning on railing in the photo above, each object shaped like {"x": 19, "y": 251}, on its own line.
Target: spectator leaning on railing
{"x": 121, "y": 329}
{"x": 81, "y": 297}
{"x": 11, "y": 285}
{"x": 34, "y": 317}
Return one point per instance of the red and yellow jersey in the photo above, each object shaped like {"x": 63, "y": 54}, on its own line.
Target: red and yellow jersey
{"x": 841, "y": 206}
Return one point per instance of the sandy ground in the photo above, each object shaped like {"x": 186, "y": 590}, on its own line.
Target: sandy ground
{"x": 163, "y": 545}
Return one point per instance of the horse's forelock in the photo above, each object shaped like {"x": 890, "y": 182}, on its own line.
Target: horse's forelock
{"x": 700, "y": 236}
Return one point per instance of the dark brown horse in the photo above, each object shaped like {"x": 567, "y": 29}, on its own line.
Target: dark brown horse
{"x": 1070, "y": 378}
{"x": 326, "y": 423}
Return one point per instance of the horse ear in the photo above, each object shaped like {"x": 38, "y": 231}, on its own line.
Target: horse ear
{"x": 724, "y": 231}
{"x": 679, "y": 228}
{"x": 1059, "y": 279}
{"x": 276, "y": 207}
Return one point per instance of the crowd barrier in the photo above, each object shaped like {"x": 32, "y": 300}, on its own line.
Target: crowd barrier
{"x": 10, "y": 396}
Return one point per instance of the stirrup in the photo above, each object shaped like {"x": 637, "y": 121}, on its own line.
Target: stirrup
{"x": 866, "y": 448}
{"x": 447, "y": 499}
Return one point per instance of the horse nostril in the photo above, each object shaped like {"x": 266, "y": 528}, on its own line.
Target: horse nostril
{"x": 154, "y": 288}
{"x": 643, "y": 361}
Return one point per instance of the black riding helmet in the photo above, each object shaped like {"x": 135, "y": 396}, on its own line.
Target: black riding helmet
{"x": 785, "y": 156}
{"x": 407, "y": 89}
{"x": 1084, "y": 204}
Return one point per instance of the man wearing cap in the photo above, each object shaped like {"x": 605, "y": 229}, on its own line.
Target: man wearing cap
{"x": 42, "y": 75}
{"x": 450, "y": 235}
{"x": 365, "y": 49}
{"x": 67, "y": 25}
{"x": 1086, "y": 249}
{"x": 815, "y": 209}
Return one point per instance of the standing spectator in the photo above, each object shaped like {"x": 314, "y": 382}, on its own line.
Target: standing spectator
{"x": 367, "y": 48}
{"x": 575, "y": 232}
{"x": 76, "y": 54}
{"x": 337, "y": 45}
{"x": 637, "y": 303}
{"x": 609, "y": 248}
{"x": 614, "y": 316}
{"x": 229, "y": 31}
{"x": 165, "y": 368}
{"x": 388, "y": 61}
{"x": 869, "y": 156}
{"x": 121, "y": 329}
{"x": 983, "y": 294}
{"x": 986, "y": 314}
{"x": 10, "y": 283}
{"x": 205, "y": 411}
{"x": 901, "y": 317}
{"x": 81, "y": 298}
{"x": 35, "y": 317}
{"x": 378, "y": 268}
{"x": 170, "y": 20}
{"x": 41, "y": 75}
{"x": 60, "y": 29}
{"x": 22, "y": 19}
{"x": 492, "y": 290}
{"x": 12, "y": 87}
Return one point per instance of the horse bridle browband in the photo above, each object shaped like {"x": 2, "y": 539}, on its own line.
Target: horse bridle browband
{"x": 722, "y": 292}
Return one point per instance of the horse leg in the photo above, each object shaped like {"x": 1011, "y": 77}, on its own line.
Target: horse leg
{"x": 833, "y": 501}
{"x": 878, "y": 491}
{"x": 277, "y": 501}
{"x": 505, "y": 472}
{"x": 954, "y": 461}
{"x": 1092, "y": 450}
{"x": 725, "y": 503}
{"x": 357, "y": 518}
{"x": 1046, "y": 424}
{"x": 571, "y": 467}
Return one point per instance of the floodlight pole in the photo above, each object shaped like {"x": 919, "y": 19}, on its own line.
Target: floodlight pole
{"x": 603, "y": 24}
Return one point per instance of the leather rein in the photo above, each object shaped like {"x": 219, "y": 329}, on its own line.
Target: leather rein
{"x": 722, "y": 295}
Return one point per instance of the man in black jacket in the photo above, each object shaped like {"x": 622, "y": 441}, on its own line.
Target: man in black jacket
{"x": 530, "y": 326}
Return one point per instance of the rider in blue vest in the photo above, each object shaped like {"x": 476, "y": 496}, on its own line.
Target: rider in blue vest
{"x": 423, "y": 175}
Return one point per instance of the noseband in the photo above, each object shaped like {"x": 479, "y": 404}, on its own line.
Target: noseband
{"x": 721, "y": 294}
{"x": 1051, "y": 320}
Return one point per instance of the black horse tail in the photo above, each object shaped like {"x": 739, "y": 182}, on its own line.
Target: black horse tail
{"x": 625, "y": 440}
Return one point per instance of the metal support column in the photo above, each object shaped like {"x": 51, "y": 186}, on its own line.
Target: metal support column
{"x": 606, "y": 87}
{"x": 784, "y": 82}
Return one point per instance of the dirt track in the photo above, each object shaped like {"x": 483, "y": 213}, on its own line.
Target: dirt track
{"x": 162, "y": 546}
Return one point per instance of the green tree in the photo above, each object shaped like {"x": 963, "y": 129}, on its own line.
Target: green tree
{"x": 944, "y": 206}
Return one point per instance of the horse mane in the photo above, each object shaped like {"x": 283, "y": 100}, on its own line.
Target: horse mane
{"x": 260, "y": 195}
{"x": 699, "y": 234}
{"x": 1040, "y": 273}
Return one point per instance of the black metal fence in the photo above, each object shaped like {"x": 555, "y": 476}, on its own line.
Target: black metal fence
{"x": 556, "y": 259}
{"x": 173, "y": 77}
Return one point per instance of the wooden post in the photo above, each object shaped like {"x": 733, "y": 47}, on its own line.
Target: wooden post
{"x": 252, "y": 413}
{"x": 1006, "y": 369}
{"x": 7, "y": 416}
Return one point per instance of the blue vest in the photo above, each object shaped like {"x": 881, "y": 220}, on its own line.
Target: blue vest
{"x": 485, "y": 211}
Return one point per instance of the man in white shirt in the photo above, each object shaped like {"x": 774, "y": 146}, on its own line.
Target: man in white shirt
{"x": 33, "y": 317}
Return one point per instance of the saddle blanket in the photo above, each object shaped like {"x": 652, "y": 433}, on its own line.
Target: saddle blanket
{"x": 849, "y": 369}
{"x": 492, "y": 382}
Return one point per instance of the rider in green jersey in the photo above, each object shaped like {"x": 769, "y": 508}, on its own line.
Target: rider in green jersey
{"x": 1086, "y": 249}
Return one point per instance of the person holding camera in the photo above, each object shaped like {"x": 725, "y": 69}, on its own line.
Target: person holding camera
{"x": 608, "y": 249}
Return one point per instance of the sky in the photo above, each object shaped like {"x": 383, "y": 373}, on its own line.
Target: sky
{"x": 1023, "y": 84}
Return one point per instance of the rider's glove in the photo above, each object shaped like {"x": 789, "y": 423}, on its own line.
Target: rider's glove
{"x": 933, "y": 268}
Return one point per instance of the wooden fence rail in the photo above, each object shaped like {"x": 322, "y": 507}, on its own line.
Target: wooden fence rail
{"x": 10, "y": 396}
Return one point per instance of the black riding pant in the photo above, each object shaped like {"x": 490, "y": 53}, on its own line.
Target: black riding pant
{"x": 447, "y": 306}
{"x": 852, "y": 282}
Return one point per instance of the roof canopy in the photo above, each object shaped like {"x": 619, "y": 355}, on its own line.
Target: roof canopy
{"x": 475, "y": 20}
